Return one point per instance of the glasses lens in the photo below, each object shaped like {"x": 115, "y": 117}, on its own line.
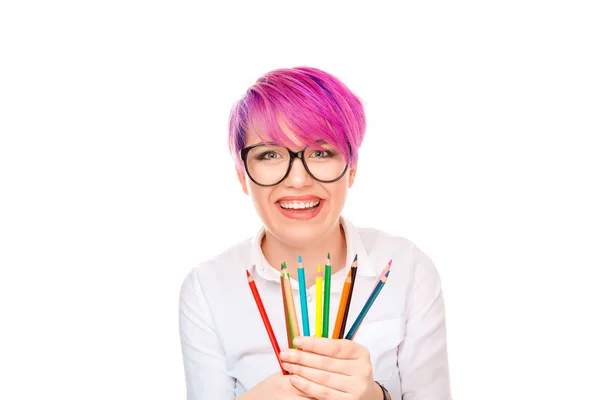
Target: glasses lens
{"x": 267, "y": 164}
{"x": 325, "y": 163}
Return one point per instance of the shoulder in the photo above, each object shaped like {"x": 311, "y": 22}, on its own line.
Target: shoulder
{"x": 376, "y": 240}
{"x": 224, "y": 268}
{"x": 413, "y": 272}
{"x": 406, "y": 255}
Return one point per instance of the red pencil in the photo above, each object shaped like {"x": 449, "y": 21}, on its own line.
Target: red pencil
{"x": 265, "y": 318}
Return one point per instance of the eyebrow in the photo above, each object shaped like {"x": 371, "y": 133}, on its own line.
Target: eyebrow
{"x": 319, "y": 141}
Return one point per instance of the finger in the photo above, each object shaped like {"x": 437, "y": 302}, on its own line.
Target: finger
{"x": 338, "y": 382}
{"x": 317, "y": 391}
{"x": 336, "y": 348}
{"x": 324, "y": 363}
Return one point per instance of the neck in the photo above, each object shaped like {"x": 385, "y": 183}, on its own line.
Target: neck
{"x": 334, "y": 243}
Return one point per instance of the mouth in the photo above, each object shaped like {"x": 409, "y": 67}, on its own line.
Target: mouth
{"x": 300, "y": 209}
{"x": 306, "y": 205}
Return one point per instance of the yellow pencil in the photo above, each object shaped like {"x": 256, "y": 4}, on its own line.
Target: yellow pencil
{"x": 319, "y": 310}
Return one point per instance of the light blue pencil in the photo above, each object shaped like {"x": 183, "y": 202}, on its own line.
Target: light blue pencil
{"x": 367, "y": 306}
{"x": 303, "y": 304}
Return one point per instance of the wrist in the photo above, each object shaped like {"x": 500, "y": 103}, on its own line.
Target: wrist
{"x": 375, "y": 391}
{"x": 382, "y": 392}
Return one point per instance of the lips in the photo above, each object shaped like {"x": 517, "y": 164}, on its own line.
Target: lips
{"x": 300, "y": 207}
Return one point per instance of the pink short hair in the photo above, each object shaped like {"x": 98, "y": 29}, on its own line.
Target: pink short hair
{"x": 313, "y": 104}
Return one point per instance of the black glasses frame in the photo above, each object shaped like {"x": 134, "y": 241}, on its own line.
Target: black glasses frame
{"x": 293, "y": 155}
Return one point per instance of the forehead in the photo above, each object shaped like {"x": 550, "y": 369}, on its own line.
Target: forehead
{"x": 257, "y": 135}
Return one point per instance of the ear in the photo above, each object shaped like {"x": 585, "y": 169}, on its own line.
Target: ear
{"x": 242, "y": 178}
{"x": 352, "y": 175}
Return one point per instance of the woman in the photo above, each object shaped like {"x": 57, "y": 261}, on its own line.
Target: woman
{"x": 295, "y": 136}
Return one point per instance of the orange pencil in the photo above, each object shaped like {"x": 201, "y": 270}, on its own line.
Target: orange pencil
{"x": 342, "y": 307}
{"x": 265, "y": 318}
{"x": 289, "y": 295}
{"x": 286, "y": 314}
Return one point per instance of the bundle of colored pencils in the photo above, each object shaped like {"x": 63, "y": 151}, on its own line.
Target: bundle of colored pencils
{"x": 323, "y": 299}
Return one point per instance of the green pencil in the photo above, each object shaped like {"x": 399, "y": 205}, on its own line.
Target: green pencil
{"x": 327, "y": 296}
{"x": 288, "y": 322}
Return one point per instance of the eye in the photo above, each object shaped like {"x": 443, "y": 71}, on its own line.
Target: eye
{"x": 268, "y": 155}
{"x": 321, "y": 153}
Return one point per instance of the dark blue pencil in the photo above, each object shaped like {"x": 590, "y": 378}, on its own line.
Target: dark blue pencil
{"x": 368, "y": 304}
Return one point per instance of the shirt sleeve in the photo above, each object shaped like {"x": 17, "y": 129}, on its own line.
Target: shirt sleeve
{"x": 422, "y": 356}
{"x": 204, "y": 360}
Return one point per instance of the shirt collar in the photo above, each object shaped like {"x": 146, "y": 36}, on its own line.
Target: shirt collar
{"x": 354, "y": 245}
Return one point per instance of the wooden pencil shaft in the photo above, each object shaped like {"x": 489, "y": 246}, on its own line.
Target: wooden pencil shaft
{"x": 365, "y": 310}
{"x": 291, "y": 307}
{"x": 326, "y": 301}
{"x": 348, "y": 302}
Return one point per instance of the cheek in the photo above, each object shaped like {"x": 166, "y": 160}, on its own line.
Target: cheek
{"x": 337, "y": 194}
{"x": 260, "y": 197}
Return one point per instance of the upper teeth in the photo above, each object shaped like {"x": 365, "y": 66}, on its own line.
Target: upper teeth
{"x": 299, "y": 204}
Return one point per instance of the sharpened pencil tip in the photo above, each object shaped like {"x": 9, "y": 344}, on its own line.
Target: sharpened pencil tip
{"x": 387, "y": 273}
{"x": 356, "y": 257}
{"x": 329, "y": 256}
{"x": 390, "y": 263}
{"x": 299, "y": 258}
{"x": 283, "y": 266}
{"x": 247, "y": 273}
{"x": 319, "y": 268}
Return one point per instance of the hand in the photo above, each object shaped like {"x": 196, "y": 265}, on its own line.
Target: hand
{"x": 329, "y": 369}
{"x": 275, "y": 387}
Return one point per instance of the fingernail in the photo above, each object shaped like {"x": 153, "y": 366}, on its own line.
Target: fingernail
{"x": 298, "y": 341}
{"x": 284, "y": 355}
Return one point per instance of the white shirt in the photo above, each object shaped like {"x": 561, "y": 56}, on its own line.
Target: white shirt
{"x": 226, "y": 350}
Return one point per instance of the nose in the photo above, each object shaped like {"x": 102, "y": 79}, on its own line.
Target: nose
{"x": 298, "y": 176}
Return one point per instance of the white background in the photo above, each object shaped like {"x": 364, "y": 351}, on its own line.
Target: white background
{"x": 482, "y": 148}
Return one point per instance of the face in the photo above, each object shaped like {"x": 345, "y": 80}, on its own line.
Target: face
{"x": 322, "y": 202}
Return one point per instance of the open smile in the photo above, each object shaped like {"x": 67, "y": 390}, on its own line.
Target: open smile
{"x": 304, "y": 208}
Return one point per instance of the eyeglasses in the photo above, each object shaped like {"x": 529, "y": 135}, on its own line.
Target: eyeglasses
{"x": 268, "y": 164}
